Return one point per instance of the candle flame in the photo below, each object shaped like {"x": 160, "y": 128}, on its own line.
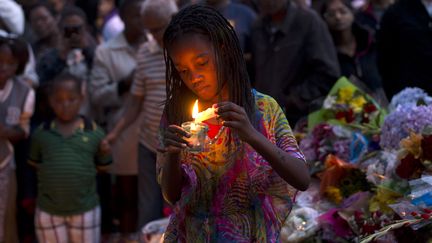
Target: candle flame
{"x": 195, "y": 110}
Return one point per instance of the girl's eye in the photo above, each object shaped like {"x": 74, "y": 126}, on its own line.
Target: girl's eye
{"x": 203, "y": 62}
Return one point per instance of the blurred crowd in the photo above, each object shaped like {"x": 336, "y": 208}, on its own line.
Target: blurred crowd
{"x": 295, "y": 51}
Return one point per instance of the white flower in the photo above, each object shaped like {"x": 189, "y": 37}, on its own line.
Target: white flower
{"x": 329, "y": 102}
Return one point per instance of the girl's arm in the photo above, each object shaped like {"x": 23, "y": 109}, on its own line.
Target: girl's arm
{"x": 292, "y": 170}
{"x": 171, "y": 177}
{"x": 171, "y": 174}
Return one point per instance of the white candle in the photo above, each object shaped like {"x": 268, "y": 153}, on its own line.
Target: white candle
{"x": 205, "y": 115}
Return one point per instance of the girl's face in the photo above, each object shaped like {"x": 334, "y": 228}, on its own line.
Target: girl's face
{"x": 8, "y": 64}
{"x": 194, "y": 59}
{"x": 66, "y": 100}
{"x": 338, "y": 16}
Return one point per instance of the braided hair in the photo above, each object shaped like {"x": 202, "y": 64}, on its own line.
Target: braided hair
{"x": 230, "y": 65}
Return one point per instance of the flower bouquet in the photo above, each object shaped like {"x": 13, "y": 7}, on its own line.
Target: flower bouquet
{"x": 328, "y": 139}
{"x": 348, "y": 105}
{"x": 341, "y": 179}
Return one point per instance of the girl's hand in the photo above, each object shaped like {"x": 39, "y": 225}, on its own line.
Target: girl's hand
{"x": 235, "y": 117}
{"x": 173, "y": 140}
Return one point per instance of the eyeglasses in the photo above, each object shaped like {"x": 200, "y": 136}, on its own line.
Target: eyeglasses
{"x": 68, "y": 31}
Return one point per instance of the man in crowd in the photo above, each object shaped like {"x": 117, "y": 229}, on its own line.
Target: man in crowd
{"x": 295, "y": 60}
{"x": 405, "y": 46}
{"x": 111, "y": 77}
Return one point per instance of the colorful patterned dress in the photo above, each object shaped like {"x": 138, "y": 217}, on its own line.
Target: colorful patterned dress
{"x": 231, "y": 193}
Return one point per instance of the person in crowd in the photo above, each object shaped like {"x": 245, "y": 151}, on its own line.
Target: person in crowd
{"x": 404, "y": 46}
{"x": 239, "y": 188}
{"x": 250, "y": 3}
{"x": 111, "y": 77}
{"x": 75, "y": 48}
{"x": 295, "y": 59}
{"x": 369, "y": 16}
{"x": 12, "y": 21}
{"x": 16, "y": 108}
{"x": 240, "y": 17}
{"x": 44, "y": 27}
{"x": 66, "y": 152}
{"x": 355, "y": 45}
{"x": 90, "y": 8}
{"x": 11, "y": 17}
{"x": 74, "y": 54}
{"x": 109, "y": 22}
{"x": 148, "y": 96}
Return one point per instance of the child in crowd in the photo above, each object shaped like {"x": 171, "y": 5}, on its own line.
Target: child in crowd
{"x": 66, "y": 152}
{"x": 239, "y": 189}
{"x": 16, "y": 108}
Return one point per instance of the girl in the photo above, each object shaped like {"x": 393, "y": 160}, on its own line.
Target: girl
{"x": 239, "y": 189}
{"x": 16, "y": 108}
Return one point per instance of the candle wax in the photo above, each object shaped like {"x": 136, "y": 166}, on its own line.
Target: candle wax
{"x": 205, "y": 115}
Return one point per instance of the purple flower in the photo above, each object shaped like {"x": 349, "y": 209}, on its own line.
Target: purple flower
{"x": 399, "y": 123}
{"x": 409, "y": 97}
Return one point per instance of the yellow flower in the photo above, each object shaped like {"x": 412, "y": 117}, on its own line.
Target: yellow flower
{"x": 357, "y": 103}
{"x": 412, "y": 144}
{"x": 345, "y": 94}
{"x": 382, "y": 199}
{"x": 333, "y": 194}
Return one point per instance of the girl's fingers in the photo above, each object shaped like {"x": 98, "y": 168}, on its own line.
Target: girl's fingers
{"x": 175, "y": 137}
{"x": 227, "y": 106}
{"x": 231, "y": 115}
{"x": 174, "y": 143}
{"x": 233, "y": 124}
{"x": 178, "y": 130}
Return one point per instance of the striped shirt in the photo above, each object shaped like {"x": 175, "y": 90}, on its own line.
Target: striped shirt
{"x": 67, "y": 168}
{"x": 149, "y": 83}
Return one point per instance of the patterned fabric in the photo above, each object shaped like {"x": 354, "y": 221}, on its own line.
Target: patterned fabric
{"x": 79, "y": 228}
{"x": 231, "y": 193}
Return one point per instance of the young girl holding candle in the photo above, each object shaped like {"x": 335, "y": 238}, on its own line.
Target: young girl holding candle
{"x": 240, "y": 188}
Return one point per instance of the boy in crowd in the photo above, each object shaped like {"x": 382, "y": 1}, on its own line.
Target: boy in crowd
{"x": 66, "y": 152}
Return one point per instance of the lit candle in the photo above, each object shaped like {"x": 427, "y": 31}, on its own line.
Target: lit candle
{"x": 194, "y": 116}
{"x": 197, "y": 130}
{"x": 204, "y": 115}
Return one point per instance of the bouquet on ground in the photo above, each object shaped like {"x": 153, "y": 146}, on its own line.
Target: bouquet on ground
{"x": 348, "y": 105}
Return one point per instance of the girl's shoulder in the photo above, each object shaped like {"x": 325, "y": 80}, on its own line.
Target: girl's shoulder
{"x": 265, "y": 103}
